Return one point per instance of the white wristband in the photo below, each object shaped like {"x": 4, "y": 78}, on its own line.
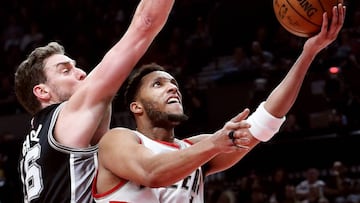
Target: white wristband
{"x": 264, "y": 125}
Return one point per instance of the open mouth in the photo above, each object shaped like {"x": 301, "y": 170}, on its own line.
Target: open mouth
{"x": 173, "y": 100}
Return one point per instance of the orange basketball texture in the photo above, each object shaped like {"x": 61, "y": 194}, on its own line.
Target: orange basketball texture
{"x": 303, "y": 18}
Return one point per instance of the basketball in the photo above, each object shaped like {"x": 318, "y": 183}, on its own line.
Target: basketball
{"x": 303, "y": 18}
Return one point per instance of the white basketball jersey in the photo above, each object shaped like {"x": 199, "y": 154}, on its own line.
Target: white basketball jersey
{"x": 188, "y": 190}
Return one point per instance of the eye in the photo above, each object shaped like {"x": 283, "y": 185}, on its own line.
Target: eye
{"x": 67, "y": 67}
{"x": 157, "y": 84}
{"x": 65, "y": 70}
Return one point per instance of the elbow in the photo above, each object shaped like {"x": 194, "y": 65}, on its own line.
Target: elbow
{"x": 155, "y": 184}
{"x": 151, "y": 15}
{"x": 155, "y": 181}
{"x": 155, "y": 13}
{"x": 146, "y": 22}
{"x": 152, "y": 24}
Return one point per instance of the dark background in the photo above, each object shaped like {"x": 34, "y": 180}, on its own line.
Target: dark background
{"x": 89, "y": 28}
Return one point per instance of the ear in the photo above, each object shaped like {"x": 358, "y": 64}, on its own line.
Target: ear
{"x": 41, "y": 91}
{"x": 136, "y": 108}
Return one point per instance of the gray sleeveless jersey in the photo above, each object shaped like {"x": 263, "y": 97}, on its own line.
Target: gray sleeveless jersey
{"x": 51, "y": 172}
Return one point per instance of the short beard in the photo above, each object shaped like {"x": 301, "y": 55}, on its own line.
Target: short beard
{"x": 163, "y": 119}
{"x": 62, "y": 97}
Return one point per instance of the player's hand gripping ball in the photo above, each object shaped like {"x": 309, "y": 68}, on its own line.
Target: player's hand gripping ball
{"x": 303, "y": 18}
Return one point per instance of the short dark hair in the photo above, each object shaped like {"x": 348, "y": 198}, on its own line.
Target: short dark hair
{"x": 31, "y": 72}
{"x": 134, "y": 81}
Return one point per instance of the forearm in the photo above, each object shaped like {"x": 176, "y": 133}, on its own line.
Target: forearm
{"x": 149, "y": 18}
{"x": 226, "y": 160}
{"x": 197, "y": 138}
{"x": 168, "y": 168}
{"x": 284, "y": 95}
{"x": 269, "y": 116}
{"x": 263, "y": 126}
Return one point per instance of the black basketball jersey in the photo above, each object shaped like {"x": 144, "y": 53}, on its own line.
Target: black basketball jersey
{"x": 51, "y": 172}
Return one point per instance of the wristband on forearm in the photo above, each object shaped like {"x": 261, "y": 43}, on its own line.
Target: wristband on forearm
{"x": 264, "y": 125}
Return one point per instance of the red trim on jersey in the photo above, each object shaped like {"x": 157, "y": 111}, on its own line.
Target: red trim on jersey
{"x": 188, "y": 141}
{"x": 168, "y": 143}
{"x": 99, "y": 195}
{"x": 139, "y": 139}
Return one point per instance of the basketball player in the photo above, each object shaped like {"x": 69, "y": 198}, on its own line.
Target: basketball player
{"x": 71, "y": 110}
{"x": 150, "y": 165}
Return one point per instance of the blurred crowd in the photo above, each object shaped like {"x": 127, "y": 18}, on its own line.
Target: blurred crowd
{"x": 338, "y": 183}
{"x": 205, "y": 44}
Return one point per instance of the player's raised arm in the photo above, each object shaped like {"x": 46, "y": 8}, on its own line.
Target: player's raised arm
{"x": 87, "y": 106}
{"x": 270, "y": 114}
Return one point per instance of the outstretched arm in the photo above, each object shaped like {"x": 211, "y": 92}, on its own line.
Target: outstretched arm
{"x": 123, "y": 157}
{"x": 283, "y": 97}
{"x": 267, "y": 119}
{"x": 89, "y": 106}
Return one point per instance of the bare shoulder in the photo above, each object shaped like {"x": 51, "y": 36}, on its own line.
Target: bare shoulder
{"x": 118, "y": 134}
{"x": 120, "y": 130}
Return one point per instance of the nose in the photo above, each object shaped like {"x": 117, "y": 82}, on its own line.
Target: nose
{"x": 80, "y": 74}
{"x": 173, "y": 88}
